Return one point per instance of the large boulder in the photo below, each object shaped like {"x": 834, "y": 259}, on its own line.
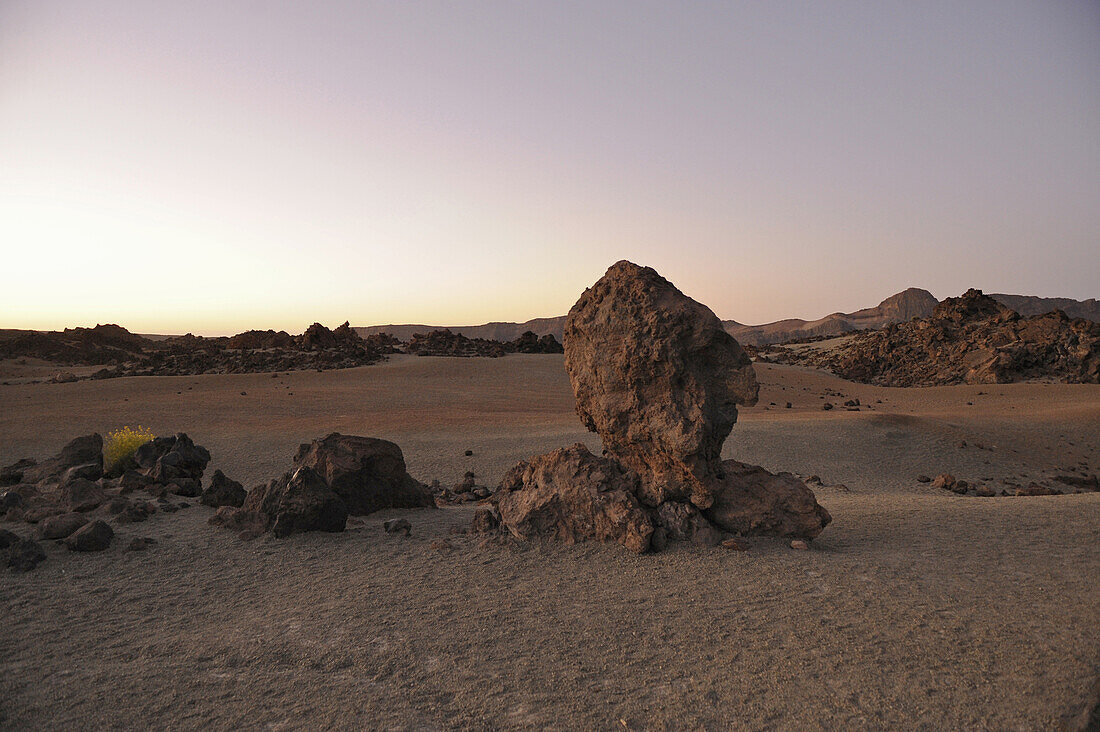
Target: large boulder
{"x": 84, "y": 452}
{"x": 657, "y": 377}
{"x": 572, "y": 495}
{"x": 367, "y": 473}
{"x": 754, "y": 501}
{"x": 296, "y": 502}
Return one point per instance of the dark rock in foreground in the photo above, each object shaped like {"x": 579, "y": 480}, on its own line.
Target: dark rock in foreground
{"x": 366, "y": 472}
{"x": 223, "y": 492}
{"x": 93, "y": 537}
{"x": 296, "y": 502}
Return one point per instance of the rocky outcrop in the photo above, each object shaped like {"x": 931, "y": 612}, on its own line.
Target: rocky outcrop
{"x": 572, "y": 495}
{"x": 297, "y": 502}
{"x": 445, "y": 343}
{"x": 656, "y": 376}
{"x": 972, "y": 339}
{"x": 528, "y": 342}
{"x": 366, "y": 472}
{"x": 659, "y": 380}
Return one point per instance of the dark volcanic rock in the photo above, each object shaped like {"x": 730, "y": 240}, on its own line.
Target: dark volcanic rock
{"x": 397, "y": 526}
{"x": 13, "y": 474}
{"x": 296, "y": 502}
{"x": 93, "y": 537}
{"x": 572, "y": 495}
{"x": 445, "y": 343}
{"x": 80, "y": 452}
{"x": 82, "y": 495}
{"x": 58, "y": 527}
{"x": 23, "y": 555}
{"x": 174, "y": 461}
{"x": 223, "y": 492}
{"x": 658, "y": 379}
{"x": 367, "y": 473}
{"x": 247, "y": 524}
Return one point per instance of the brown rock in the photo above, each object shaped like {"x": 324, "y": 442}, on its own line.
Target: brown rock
{"x": 486, "y": 520}
{"x": 58, "y": 527}
{"x": 657, "y": 377}
{"x": 223, "y": 492}
{"x": 753, "y": 501}
{"x": 736, "y": 544}
{"x": 572, "y": 495}
{"x": 82, "y": 451}
{"x": 82, "y": 495}
{"x": 93, "y": 537}
{"x": 800, "y": 545}
{"x": 247, "y": 524}
{"x": 367, "y": 473}
{"x": 944, "y": 480}
{"x": 1034, "y": 489}
{"x": 296, "y": 502}
{"x": 23, "y": 555}
{"x": 397, "y": 526}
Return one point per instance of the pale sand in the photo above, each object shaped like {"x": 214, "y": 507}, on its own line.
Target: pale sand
{"x": 915, "y": 609}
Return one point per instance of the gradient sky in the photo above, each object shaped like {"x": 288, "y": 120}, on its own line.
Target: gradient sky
{"x": 217, "y": 166}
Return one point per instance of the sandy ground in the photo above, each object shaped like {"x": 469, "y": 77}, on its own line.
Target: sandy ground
{"x": 915, "y": 609}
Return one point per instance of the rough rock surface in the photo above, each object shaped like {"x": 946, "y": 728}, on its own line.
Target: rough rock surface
{"x": 972, "y": 339}
{"x": 572, "y": 495}
{"x": 174, "y": 461}
{"x": 296, "y": 502}
{"x": 223, "y": 491}
{"x": 58, "y": 527}
{"x": 657, "y": 377}
{"x": 754, "y": 501}
{"x": 93, "y": 537}
{"x": 82, "y": 451}
{"x": 367, "y": 473}
{"x": 23, "y": 555}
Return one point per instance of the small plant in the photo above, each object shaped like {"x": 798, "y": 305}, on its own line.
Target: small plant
{"x": 120, "y": 446}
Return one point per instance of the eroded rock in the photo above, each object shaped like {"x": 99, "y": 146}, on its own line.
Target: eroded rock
{"x": 297, "y": 502}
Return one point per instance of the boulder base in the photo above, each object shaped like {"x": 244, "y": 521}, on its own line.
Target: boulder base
{"x": 572, "y": 495}
{"x": 296, "y": 502}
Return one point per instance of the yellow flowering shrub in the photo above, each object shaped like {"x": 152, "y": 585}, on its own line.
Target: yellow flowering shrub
{"x": 122, "y": 444}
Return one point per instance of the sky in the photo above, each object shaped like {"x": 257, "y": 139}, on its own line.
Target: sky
{"x": 218, "y": 166}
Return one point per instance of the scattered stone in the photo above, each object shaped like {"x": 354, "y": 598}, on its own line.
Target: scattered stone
{"x": 486, "y": 520}
{"x": 1034, "y": 489}
{"x": 736, "y": 543}
{"x": 788, "y": 405}
{"x": 923, "y": 479}
{"x": 140, "y": 543}
{"x": 397, "y": 526}
{"x": 442, "y": 546}
{"x": 469, "y": 453}
{"x": 136, "y": 511}
{"x": 223, "y": 492}
{"x": 827, "y": 406}
{"x": 24, "y": 555}
{"x": 851, "y": 403}
{"x": 93, "y": 537}
{"x": 944, "y": 480}
{"x": 984, "y": 492}
{"x": 59, "y": 527}
{"x": 800, "y": 545}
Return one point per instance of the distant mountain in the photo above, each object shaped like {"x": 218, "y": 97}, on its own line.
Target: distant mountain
{"x": 1027, "y": 305}
{"x": 899, "y": 308}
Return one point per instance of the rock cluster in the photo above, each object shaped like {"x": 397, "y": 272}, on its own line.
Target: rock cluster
{"x": 445, "y": 343}
{"x": 69, "y": 498}
{"x": 657, "y": 377}
{"x": 333, "y": 477}
{"x": 972, "y": 339}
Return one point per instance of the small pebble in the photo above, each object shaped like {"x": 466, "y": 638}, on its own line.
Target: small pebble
{"x": 800, "y": 545}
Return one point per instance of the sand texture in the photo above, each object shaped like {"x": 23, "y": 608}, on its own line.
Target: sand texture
{"x": 915, "y": 609}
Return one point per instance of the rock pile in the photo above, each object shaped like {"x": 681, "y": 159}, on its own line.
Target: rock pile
{"x": 445, "y": 343}
{"x": 657, "y": 377}
{"x": 972, "y": 339}
{"x": 333, "y": 477}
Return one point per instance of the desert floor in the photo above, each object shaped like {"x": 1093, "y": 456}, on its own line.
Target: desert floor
{"x": 914, "y": 609}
